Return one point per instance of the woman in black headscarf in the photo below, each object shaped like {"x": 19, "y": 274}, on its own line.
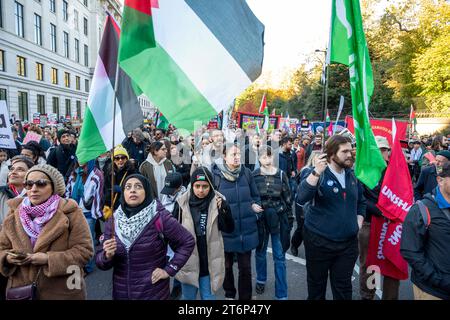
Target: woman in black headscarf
{"x": 206, "y": 214}
{"x": 142, "y": 230}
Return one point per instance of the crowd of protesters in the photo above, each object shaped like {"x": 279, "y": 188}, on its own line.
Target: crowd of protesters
{"x": 163, "y": 206}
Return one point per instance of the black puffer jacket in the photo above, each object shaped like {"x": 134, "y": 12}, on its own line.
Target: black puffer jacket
{"x": 275, "y": 197}
{"x": 426, "y": 249}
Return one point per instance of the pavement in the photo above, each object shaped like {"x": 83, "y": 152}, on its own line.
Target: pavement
{"x": 99, "y": 283}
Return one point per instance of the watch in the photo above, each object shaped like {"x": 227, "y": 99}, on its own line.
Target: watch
{"x": 315, "y": 174}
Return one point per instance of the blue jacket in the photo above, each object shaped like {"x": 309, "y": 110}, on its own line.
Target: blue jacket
{"x": 332, "y": 215}
{"x": 240, "y": 195}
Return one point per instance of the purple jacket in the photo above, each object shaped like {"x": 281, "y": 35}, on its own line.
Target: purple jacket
{"x": 132, "y": 270}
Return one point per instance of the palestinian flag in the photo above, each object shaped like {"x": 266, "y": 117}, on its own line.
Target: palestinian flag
{"x": 191, "y": 58}
{"x": 97, "y": 131}
{"x": 162, "y": 122}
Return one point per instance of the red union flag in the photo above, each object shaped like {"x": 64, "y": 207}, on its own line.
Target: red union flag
{"x": 396, "y": 196}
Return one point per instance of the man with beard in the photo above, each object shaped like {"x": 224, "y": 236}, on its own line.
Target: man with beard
{"x": 288, "y": 162}
{"x": 316, "y": 145}
{"x": 63, "y": 156}
{"x": 252, "y": 153}
{"x": 212, "y": 152}
{"x": 335, "y": 212}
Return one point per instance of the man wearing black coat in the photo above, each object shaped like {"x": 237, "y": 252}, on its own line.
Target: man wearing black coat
{"x": 427, "y": 179}
{"x": 63, "y": 156}
{"x": 425, "y": 241}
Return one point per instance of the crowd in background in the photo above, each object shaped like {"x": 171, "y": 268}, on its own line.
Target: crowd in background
{"x": 162, "y": 206}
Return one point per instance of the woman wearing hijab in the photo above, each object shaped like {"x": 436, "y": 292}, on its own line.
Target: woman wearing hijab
{"x": 236, "y": 183}
{"x": 137, "y": 252}
{"x": 156, "y": 167}
{"x": 206, "y": 214}
{"x": 85, "y": 186}
{"x": 42, "y": 238}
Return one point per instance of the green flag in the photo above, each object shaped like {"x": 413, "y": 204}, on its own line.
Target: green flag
{"x": 348, "y": 46}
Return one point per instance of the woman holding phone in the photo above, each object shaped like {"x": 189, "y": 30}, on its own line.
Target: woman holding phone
{"x": 44, "y": 240}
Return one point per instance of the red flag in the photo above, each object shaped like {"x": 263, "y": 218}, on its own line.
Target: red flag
{"x": 396, "y": 196}
{"x": 263, "y": 105}
{"x": 384, "y": 248}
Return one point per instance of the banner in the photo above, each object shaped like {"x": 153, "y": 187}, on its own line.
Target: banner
{"x": 382, "y": 128}
{"x": 384, "y": 248}
{"x": 36, "y": 118}
{"x": 52, "y": 118}
{"x": 249, "y": 120}
{"x": 32, "y": 136}
{"x": 6, "y": 136}
{"x": 43, "y": 120}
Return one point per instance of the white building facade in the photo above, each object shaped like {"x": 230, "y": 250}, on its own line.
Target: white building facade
{"x": 48, "y": 51}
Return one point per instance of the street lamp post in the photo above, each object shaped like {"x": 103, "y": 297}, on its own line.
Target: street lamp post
{"x": 325, "y": 73}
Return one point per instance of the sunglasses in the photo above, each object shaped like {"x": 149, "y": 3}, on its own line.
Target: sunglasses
{"x": 120, "y": 158}
{"x": 41, "y": 183}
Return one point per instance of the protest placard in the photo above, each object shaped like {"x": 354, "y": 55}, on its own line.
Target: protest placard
{"x": 6, "y": 137}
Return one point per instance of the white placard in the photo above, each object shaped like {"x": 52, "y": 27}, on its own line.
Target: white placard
{"x": 6, "y": 136}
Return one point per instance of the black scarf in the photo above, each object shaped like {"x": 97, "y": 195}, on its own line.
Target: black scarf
{"x": 131, "y": 211}
{"x": 198, "y": 207}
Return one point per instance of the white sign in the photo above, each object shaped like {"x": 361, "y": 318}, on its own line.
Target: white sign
{"x": 6, "y": 137}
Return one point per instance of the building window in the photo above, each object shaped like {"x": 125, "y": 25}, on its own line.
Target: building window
{"x": 41, "y": 103}
{"x": 78, "y": 109}
{"x": 54, "y": 76}
{"x": 39, "y": 71}
{"x": 66, "y": 44}
{"x": 65, "y": 11}
{"x": 77, "y": 83}
{"x": 85, "y": 2}
{"x": 55, "y": 106}
{"x": 3, "y": 94}
{"x": 75, "y": 20}
{"x": 86, "y": 56}
{"x": 21, "y": 66}
{"x": 37, "y": 29}
{"x": 85, "y": 26}
{"x": 2, "y": 60}
{"x": 53, "y": 36}
{"x": 23, "y": 105}
{"x": 68, "y": 108}
{"x": 67, "y": 79}
{"x": 86, "y": 85}
{"x": 77, "y": 50}
{"x": 52, "y": 6}
{"x": 1, "y": 13}
{"x": 19, "y": 19}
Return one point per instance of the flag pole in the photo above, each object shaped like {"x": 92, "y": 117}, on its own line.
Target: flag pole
{"x": 116, "y": 84}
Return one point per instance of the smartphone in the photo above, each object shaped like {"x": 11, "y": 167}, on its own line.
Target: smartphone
{"x": 17, "y": 255}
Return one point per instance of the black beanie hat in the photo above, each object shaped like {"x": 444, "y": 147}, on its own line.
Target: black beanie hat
{"x": 199, "y": 175}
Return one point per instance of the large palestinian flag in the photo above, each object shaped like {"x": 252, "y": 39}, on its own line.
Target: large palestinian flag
{"x": 191, "y": 58}
{"x": 97, "y": 131}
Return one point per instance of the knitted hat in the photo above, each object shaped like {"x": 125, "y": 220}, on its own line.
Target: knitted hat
{"x": 120, "y": 150}
{"x": 199, "y": 175}
{"x": 59, "y": 186}
{"x": 444, "y": 153}
{"x": 61, "y": 132}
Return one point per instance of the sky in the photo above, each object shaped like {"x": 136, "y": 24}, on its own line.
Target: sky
{"x": 294, "y": 29}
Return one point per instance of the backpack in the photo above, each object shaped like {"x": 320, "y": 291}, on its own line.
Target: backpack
{"x": 425, "y": 213}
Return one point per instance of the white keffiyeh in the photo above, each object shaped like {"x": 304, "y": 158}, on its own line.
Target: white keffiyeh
{"x": 129, "y": 229}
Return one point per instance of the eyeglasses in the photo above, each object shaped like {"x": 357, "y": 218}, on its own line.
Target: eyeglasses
{"x": 41, "y": 183}
{"x": 120, "y": 158}
{"x": 136, "y": 186}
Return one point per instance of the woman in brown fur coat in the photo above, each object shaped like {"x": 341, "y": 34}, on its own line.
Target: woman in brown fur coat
{"x": 51, "y": 233}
